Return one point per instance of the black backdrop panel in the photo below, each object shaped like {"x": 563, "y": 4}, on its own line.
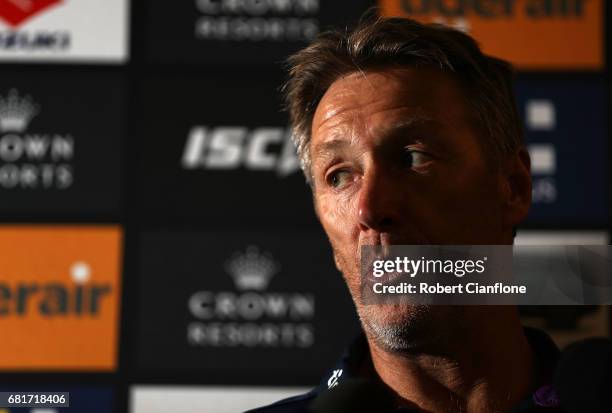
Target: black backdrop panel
{"x": 243, "y": 307}
{"x": 61, "y": 135}
{"x": 216, "y": 150}
{"x": 239, "y": 32}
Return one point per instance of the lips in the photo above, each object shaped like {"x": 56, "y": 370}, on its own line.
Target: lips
{"x": 373, "y": 253}
{"x": 16, "y": 12}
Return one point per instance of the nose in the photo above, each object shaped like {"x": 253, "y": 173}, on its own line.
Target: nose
{"x": 380, "y": 200}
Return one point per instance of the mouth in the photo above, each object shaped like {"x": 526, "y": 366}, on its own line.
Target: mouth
{"x": 371, "y": 268}
{"x": 380, "y": 246}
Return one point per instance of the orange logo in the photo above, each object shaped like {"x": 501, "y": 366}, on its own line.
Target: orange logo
{"x": 59, "y": 297}
{"x": 532, "y": 34}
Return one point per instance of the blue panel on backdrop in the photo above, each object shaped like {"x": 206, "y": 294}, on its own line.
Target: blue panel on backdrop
{"x": 566, "y": 132}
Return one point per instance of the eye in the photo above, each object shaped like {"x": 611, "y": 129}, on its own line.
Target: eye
{"x": 414, "y": 158}
{"x": 339, "y": 178}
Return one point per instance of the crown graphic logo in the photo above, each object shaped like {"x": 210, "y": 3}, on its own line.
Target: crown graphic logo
{"x": 252, "y": 269}
{"x": 16, "y": 112}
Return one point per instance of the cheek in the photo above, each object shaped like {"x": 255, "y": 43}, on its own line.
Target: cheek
{"x": 478, "y": 190}
{"x": 339, "y": 222}
{"x": 337, "y": 217}
{"x": 470, "y": 205}
{"x": 452, "y": 201}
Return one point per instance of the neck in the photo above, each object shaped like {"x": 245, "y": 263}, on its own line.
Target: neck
{"x": 488, "y": 367}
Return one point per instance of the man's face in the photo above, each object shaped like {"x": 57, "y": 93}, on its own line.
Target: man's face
{"x": 396, "y": 160}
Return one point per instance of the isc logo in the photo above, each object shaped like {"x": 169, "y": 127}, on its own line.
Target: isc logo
{"x": 232, "y": 147}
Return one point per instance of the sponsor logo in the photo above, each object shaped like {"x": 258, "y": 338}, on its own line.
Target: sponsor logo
{"x": 541, "y": 116}
{"x": 257, "y": 20}
{"x": 503, "y": 28}
{"x": 543, "y": 159}
{"x": 16, "y": 113}
{"x": 35, "y": 41}
{"x": 487, "y": 9}
{"x": 31, "y": 159}
{"x": 54, "y": 30}
{"x": 543, "y": 169}
{"x": 233, "y": 147}
{"x": 251, "y": 315}
{"x": 333, "y": 380}
{"x": 162, "y": 399}
{"x": 59, "y": 286}
{"x": 15, "y": 12}
{"x": 252, "y": 270}
{"x": 56, "y": 298}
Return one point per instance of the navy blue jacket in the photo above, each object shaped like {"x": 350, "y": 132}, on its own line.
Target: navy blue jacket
{"x": 544, "y": 399}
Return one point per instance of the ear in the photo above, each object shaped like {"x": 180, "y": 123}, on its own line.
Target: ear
{"x": 516, "y": 175}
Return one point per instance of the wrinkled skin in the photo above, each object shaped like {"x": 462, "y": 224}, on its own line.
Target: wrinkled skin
{"x": 396, "y": 159}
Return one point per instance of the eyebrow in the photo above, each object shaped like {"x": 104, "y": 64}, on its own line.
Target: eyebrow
{"x": 331, "y": 146}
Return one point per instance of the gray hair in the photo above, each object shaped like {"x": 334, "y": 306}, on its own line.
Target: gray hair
{"x": 380, "y": 42}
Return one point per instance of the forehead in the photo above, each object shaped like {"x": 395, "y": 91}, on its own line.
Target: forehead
{"x": 366, "y": 102}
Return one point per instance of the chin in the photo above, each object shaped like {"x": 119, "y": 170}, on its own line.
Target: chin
{"x": 403, "y": 328}
{"x": 396, "y": 327}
